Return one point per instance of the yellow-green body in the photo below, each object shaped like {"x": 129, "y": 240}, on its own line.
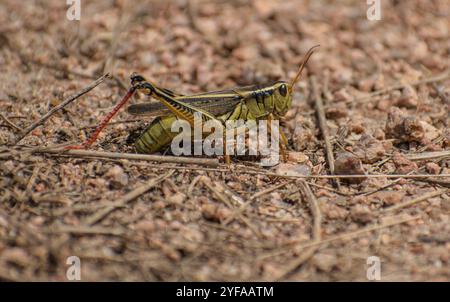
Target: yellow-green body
{"x": 246, "y": 103}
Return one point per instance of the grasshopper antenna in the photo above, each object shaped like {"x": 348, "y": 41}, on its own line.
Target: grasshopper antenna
{"x": 305, "y": 60}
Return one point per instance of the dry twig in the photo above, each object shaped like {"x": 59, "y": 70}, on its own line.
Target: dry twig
{"x": 316, "y": 233}
{"x": 242, "y": 208}
{"x": 416, "y": 200}
{"x": 441, "y": 183}
{"x": 413, "y": 176}
{"x": 220, "y": 196}
{"x": 429, "y": 155}
{"x": 131, "y": 156}
{"x": 9, "y": 123}
{"x": 126, "y": 199}
{"x": 323, "y": 126}
{"x": 66, "y": 102}
{"x": 86, "y": 230}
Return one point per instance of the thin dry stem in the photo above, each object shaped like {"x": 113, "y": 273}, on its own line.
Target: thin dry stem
{"x": 322, "y": 121}
{"x": 131, "y": 156}
{"x": 316, "y": 233}
{"x": 416, "y": 200}
{"x": 66, "y": 102}
{"x": 91, "y": 220}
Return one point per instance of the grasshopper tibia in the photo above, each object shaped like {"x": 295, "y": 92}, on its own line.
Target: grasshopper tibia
{"x": 104, "y": 122}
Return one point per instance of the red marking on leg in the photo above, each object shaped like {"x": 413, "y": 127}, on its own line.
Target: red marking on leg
{"x": 103, "y": 123}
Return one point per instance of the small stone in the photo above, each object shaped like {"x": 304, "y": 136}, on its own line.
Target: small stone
{"x": 387, "y": 145}
{"x": 324, "y": 262}
{"x": 302, "y": 137}
{"x": 385, "y": 239}
{"x": 117, "y": 177}
{"x": 336, "y": 112}
{"x": 297, "y": 157}
{"x": 245, "y": 53}
{"x": 343, "y": 76}
{"x": 402, "y": 164}
{"x": 342, "y": 95}
{"x": 208, "y": 26}
{"x": 403, "y": 127}
{"x": 8, "y": 166}
{"x": 384, "y": 105}
{"x": 433, "y": 168}
{"x": 431, "y": 132}
{"x": 275, "y": 197}
{"x": 293, "y": 169}
{"x": 363, "y": 242}
{"x": 420, "y": 51}
{"x": 414, "y": 129}
{"x": 408, "y": 103}
{"x": 347, "y": 163}
{"x": 265, "y": 8}
{"x": 408, "y": 99}
{"x": 332, "y": 211}
{"x": 366, "y": 85}
{"x": 97, "y": 183}
{"x": 361, "y": 213}
{"x": 3, "y": 222}
{"x": 390, "y": 198}
{"x": 215, "y": 213}
{"x": 177, "y": 198}
{"x": 369, "y": 149}
{"x": 17, "y": 256}
{"x": 356, "y": 127}
{"x": 379, "y": 134}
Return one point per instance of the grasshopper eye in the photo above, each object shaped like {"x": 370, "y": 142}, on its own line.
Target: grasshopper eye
{"x": 283, "y": 90}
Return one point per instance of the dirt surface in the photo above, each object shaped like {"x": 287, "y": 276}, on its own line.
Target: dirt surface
{"x": 201, "y": 223}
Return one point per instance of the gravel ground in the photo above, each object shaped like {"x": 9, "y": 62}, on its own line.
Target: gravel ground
{"x": 385, "y": 111}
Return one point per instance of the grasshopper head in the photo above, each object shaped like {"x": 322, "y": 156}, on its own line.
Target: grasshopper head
{"x": 136, "y": 79}
{"x": 282, "y": 98}
{"x": 139, "y": 83}
{"x": 283, "y": 90}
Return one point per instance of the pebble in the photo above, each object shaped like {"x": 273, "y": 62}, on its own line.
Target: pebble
{"x": 433, "y": 168}
{"x": 117, "y": 177}
{"x": 361, "y": 213}
{"x": 293, "y": 169}
{"x": 347, "y": 163}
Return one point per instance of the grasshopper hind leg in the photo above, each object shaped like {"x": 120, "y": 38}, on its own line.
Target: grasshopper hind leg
{"x": 156, "y": 136}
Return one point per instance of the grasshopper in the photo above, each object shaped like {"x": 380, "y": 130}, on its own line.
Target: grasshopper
{"x": 253, "y": 102}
